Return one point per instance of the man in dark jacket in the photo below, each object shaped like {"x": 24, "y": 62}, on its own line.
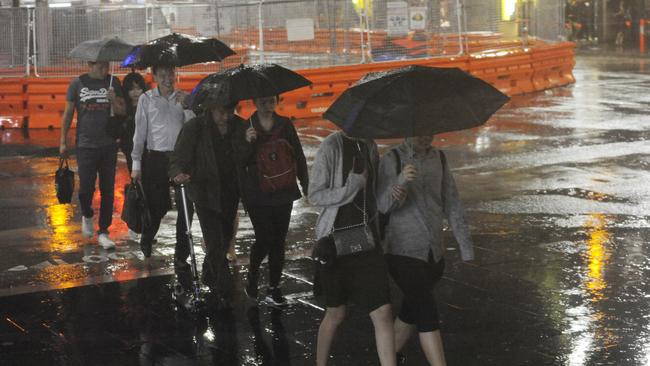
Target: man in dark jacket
{"x": 203, "y": 160}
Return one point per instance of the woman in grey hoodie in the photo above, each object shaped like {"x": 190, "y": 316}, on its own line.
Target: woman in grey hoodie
{"x": 343, "y": 183}
{"x": 418, "y": 191}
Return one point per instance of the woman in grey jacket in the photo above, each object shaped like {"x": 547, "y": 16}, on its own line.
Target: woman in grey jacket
{"x": 342, "y": 183}
{"x": 418, "y": 196}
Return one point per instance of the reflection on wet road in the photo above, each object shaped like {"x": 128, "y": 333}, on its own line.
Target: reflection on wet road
{"x": 556, "y": 190}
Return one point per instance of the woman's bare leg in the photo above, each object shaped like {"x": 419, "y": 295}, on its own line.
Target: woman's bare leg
{"x": 328, "y": 326}
{"x": 382, "y": 320}
{"x": 431, "y": 344}
{"x": 403, "y": 332}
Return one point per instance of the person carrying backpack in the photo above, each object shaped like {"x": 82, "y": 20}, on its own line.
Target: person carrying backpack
{"x": 417, "y": 190}
{"x": 270, "y": 158}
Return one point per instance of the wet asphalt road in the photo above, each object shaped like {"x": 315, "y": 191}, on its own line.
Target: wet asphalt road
{"x": 556, "y": 189}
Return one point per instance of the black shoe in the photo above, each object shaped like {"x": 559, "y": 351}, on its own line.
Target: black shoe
{"x": 251, "y": 287}
{"x": 274, "y": 297}
{"x": 401, "y": 359}
{"x": 145, "y": 246}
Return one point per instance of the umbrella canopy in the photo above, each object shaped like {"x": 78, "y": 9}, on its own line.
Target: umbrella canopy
{"x": 102, "y": 50}
{"x": 414, "y": 101}
{"x": 245, "y": 82}
{"x": 177, "y": 49}
{"x": 283, "y": 79}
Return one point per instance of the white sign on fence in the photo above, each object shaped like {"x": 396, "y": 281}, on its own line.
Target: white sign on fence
{"x": 300, "y": 29}
{"x": 418, "y": 18}
{"x": 398, "y": 18}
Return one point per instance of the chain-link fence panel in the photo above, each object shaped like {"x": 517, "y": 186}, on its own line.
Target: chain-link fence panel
{"x": 295, "y": 33}
{"x": 403, "y": 30}
{"x": 59, "y": 30}
{"x": 545, "y": 20}
{"x": 497, "y": 24}
{"x": 14, "y": 44}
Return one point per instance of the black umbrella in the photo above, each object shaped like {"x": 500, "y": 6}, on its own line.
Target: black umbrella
{"x": 245, "y": 82}
{"x": 414, "y": 101}
{"x": 102, "y": 50}
{"x": 283, "y": 79}
{"x": 177, "y": 49}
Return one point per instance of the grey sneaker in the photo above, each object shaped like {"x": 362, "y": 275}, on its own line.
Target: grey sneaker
{"x": 105, "y": 242}
{"x": 87, "y": 227}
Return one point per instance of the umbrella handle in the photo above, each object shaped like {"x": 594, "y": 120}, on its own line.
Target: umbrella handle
{"x": 110, "y": 86}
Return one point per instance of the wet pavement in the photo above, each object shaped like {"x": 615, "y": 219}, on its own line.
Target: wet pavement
{"x": 556, "y": 189}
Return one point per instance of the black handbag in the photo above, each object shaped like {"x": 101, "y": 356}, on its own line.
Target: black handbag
{"x": 324, "y": 251}
{"x": 135, "y": 212}
{"x": 64, "y": 182}
{"x": 354, "y": 239}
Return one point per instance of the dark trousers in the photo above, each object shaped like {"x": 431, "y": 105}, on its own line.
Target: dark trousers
{"x": 155, "y": 184}
{"x": 92, "y": 162}
{"x": 416, "y": 279}
{"x": 229, "y": 207}
{"x": 216, "y": 272}
{"x": 271, "y": 224}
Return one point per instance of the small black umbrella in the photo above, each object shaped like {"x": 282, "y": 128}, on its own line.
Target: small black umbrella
{"x": 414, "y": 101}
{"x": 245, "y": 82}
{"x": 102, "y": 50}
{"x": 177, "y": 49}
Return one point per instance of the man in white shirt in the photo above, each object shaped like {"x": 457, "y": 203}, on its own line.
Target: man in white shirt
{"x": 159, "y": 117}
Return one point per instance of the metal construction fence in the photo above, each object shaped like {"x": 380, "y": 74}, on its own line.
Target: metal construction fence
{"x": 298, "y": 34}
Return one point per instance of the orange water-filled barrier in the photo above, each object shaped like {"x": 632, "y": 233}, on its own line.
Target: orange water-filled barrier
{"x": 515, "y": 70}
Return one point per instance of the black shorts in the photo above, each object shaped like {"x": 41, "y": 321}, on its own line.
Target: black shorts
{"x": 416, "y": 278}
{"x": 360, "y": 279}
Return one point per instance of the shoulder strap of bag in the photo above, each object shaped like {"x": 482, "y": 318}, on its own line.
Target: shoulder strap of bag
{"x": 398, "y": 162}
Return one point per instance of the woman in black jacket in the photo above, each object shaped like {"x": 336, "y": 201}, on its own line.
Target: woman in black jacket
{"x": 133, "y": 87}
{"x": 204, "y": 161}
{"x": 270, "y": 158}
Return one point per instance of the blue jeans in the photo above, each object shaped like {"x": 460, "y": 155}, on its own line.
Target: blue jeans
{"x": 92, "y": 162}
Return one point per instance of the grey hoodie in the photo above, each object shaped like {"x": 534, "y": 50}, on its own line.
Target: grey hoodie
{"x": 326, "y": 186}
{"x": 415, "y": 224}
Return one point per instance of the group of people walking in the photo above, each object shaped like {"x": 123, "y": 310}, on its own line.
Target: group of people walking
{"x": 395, "y": 204}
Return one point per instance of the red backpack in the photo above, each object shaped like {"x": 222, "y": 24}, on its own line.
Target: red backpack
{"x": 276, "y": 165}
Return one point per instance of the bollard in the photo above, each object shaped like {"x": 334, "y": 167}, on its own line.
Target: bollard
{"x": 642, "y": 36}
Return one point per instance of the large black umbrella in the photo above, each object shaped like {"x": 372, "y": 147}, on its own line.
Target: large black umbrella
{"x": 102, "y": 50}
{"x": 177, "y": 49}
{"x": 414, "y": 101}
{"x": 245, "y": 82}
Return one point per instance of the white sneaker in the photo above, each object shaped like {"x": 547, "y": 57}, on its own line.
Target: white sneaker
{"x": 105, "y": 242}
{"x": 133, "y": 236}
{"x": 87, "y": 227}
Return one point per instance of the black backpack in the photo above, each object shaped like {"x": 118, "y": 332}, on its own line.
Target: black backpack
{"x": 64, "y": 182}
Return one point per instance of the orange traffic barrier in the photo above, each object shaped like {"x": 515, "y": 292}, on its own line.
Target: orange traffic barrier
{"x": 12, "y": 101}
{"x": 46, "y": 101}
{"x": 515, "y": 70}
